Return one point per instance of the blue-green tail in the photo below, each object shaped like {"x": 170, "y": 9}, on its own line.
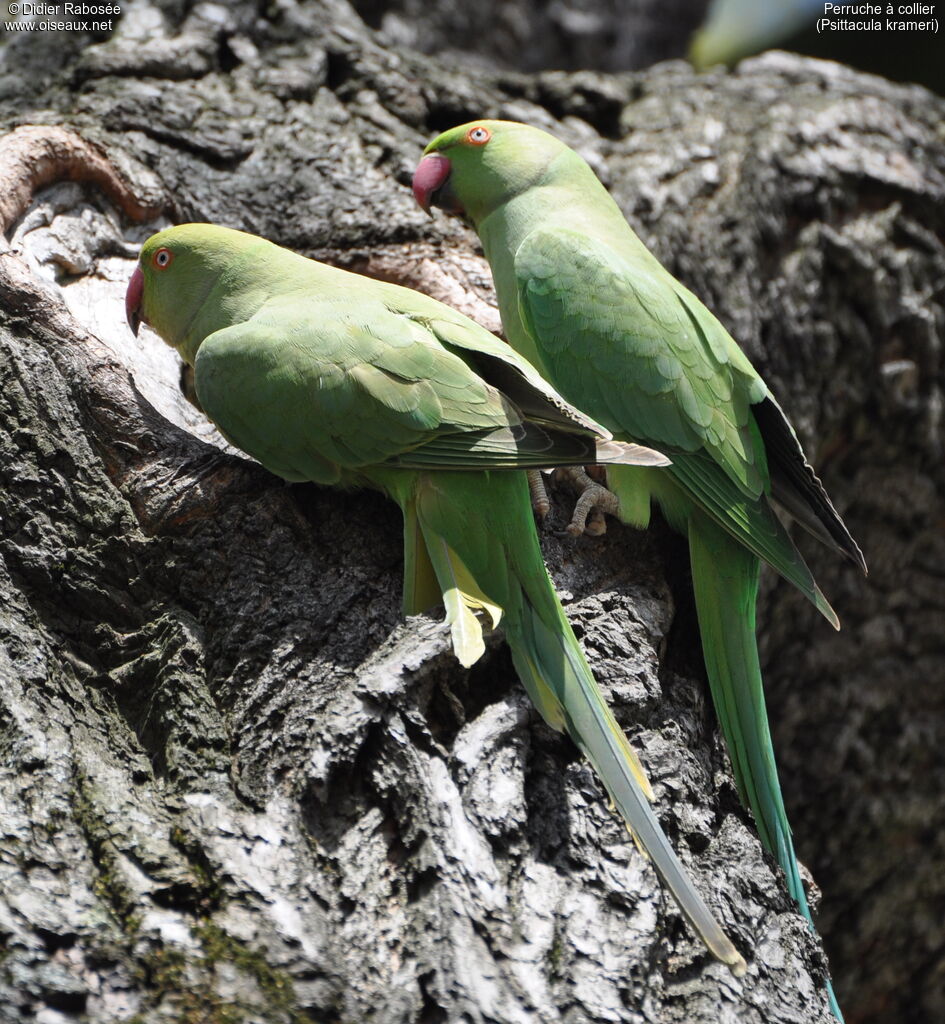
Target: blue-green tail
{"x": 725, "y": 580}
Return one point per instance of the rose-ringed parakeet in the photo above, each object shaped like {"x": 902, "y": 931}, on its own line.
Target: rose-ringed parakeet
{"x": 583, "y": 299}
{"x": 327, "y": 376}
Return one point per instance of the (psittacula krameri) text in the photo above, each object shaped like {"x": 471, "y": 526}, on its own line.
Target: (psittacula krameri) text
{"x": 327, "y": 376}
{"x": 584, "y": 300}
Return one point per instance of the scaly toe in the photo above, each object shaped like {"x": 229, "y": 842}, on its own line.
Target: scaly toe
{"x": 536, "y": 488}
{"x": 596, "y": 525}
{"x": 593, "y": 501}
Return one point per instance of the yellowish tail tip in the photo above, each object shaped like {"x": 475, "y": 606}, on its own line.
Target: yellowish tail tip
{"x": 461, "y": 601}
{"x": 823, "y": 606}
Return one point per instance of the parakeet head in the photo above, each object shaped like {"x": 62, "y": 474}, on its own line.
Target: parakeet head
{"x": 183, "y": 267}
{"x": 473, "y": 168}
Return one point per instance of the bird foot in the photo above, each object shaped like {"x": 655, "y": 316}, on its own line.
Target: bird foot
{"x": 536, "y": 487}
{"x": 594, "y": 501}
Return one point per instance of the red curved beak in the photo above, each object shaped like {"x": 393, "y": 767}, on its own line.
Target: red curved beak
{"x": 431, "y": 175}
{"x": 133, "y": 300}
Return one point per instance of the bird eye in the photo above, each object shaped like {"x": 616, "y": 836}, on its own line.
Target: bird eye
{"x": 162, "y": 258}
{"x": 478, "y": 136}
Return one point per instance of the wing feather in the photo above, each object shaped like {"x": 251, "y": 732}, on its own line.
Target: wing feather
{"x": 656, "y": 358}
{"x": 318, "y": 390}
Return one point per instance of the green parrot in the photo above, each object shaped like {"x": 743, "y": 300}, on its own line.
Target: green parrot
{"x": 327, "y": 376}
{"x": 594, "y": 311}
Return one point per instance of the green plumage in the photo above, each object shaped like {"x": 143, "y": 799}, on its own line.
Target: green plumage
{"x": 583, "y": 298}
{"x": 326, "y": 376}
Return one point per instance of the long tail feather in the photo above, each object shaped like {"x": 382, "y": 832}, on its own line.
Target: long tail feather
{"x": 559, "y": 681}
{"x": 725, "y": 580}
{"x": 481, "y": 541}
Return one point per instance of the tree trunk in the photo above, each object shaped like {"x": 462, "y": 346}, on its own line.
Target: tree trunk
{"x": 236, "y": 785}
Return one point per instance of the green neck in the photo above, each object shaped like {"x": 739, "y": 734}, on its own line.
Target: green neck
{"x": 200, "y": 324}
{"x": 501, "y": 233}
{"x": 235, "y": 293}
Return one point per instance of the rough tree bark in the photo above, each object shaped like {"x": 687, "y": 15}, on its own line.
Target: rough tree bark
{"x": 531, "y": 35}
{"x": 235, "y": 786}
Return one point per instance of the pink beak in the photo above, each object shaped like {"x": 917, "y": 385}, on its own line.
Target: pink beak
{"x": 431, "y": 174}
{"x": 133, "y": 300}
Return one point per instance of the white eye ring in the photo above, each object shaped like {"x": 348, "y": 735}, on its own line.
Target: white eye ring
{"x": 479, "y": 135}
{"x": 162, "y": 258}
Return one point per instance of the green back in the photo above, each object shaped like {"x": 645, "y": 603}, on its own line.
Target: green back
{"x": 582, "y": 297}
{"x": 319, "y": 373}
